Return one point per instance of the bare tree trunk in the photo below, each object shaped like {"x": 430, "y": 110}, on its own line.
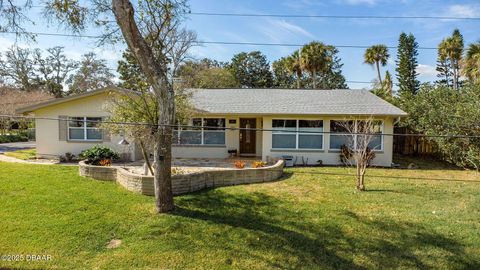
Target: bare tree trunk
{"x": 379, "y": 75}
{"x": 298, "y": 80}
{"x": 358, "y": 178}
{"x": 361, "y": 185}
{"x": 156, "y": 74}
{"x": 146, "y": 157}
{"x": 455, "y": 74}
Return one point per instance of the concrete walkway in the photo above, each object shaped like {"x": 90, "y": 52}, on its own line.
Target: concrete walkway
{"x": 9, "y": 147}
{"x": 4, "y": 158}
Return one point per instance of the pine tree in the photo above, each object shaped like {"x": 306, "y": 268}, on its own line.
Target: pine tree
{"x": 450, "y": 52}
{"x": 444, "y": 72}
{"x": 406, "y": 65}
{"x": 388, "y": 84}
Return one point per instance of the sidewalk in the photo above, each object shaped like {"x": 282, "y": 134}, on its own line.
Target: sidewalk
{"x": 4, "y": 158}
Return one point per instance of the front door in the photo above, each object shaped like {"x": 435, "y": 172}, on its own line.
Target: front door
{"x": 247, "y": 137}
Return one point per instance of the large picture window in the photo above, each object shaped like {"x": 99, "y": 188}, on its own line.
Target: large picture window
{"x": 84, "y": 129}
{"x": 339, "y": 134}
{"x": 297, "y": 134}
{"x": 207, "y": 131}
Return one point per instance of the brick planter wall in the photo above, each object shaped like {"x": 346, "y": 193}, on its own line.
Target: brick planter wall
{"x": 97, "y": 172}
{"x": 185, "y": 183}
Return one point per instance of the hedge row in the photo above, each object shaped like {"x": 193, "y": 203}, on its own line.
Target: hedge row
{"x": 13, "y": 138}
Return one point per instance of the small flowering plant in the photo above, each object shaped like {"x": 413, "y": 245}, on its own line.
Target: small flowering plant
{"x": 239, "y": 164}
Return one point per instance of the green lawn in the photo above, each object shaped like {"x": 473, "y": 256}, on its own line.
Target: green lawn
{"x": 311, "y": 219}
{"x": 22, "y": 154}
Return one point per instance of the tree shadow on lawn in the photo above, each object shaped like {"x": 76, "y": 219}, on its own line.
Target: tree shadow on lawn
{"x": 344, "y": 240}
{"x": 424, "y": 163}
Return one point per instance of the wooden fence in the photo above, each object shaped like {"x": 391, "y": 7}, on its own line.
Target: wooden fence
{"x": 412, "y": 145}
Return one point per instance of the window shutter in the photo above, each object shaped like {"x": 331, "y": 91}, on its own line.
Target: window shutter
{"x": 62, "y": 128}
{"x": 107, "y": 137}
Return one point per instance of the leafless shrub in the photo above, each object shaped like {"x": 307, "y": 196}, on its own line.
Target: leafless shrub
{"x": 361, "y": 137}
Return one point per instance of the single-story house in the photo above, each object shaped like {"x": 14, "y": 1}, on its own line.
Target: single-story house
{"x": 281, "y": 115}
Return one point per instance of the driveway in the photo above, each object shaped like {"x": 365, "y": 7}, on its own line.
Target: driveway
{"x": 9, "y": 147}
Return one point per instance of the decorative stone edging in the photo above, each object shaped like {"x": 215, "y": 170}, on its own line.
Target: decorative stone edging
{"x": 184, "y": 183}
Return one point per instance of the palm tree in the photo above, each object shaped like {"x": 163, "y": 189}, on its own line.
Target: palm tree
{"x": 376, "y": 55}
{"x": 451, "y": 49}
{"x": 294, "y": 65}
{"x": 316, "y": 57}
{"x": 471, "y": 64}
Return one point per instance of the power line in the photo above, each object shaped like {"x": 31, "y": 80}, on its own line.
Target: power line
{"x": 193, "y": 128}
{"x": 226, "y": 14}
{"x": 332, "y": 16}
{"x": 199, "y": 42}
{"x": 298, "y": 45}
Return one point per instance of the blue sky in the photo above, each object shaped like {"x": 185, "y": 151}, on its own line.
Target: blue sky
{"x": 302, "y": 30}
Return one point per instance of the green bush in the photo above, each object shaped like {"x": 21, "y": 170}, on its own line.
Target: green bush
{"x": 98, "y": 153}
{"x": 13, "y": 138}
{"x": 440, "y": 110}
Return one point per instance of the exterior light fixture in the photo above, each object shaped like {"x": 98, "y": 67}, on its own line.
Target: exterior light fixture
{"x": 123, "y": 142}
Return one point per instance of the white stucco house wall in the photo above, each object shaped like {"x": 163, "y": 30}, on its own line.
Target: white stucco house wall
{"x": 282, "y": 115}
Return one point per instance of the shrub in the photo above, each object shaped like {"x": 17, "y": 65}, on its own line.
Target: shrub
{"x": 258, "y": 164}
{"x": 13, "y": 138}
{"x": 439, "y": 110}
{"x": 345, "y": 154}
{"x": 97, "y": 154}
{"x": 69, "y": 157}
{"x": 239, "y": 164}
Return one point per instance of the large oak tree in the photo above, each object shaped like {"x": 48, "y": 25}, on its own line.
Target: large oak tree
{"x": 153, "y": 34}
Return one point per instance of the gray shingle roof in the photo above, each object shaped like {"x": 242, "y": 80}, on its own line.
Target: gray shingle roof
{"x": 294, "y": 101}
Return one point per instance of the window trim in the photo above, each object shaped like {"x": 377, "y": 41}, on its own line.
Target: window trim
{"x": 382, "y": 129}
{"x": 85, "y": 128}
{"x": 297, "y": 133}
{"x": 202, "y": 131}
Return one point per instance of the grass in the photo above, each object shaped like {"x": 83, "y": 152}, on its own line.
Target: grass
{"x": 22, "y": 154}
{"x": 311, "y": 219}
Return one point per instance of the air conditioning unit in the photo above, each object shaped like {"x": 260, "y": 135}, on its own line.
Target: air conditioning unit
{"x": 288, "y": 161}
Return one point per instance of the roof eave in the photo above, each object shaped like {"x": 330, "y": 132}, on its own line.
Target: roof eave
{"x": 32, "y": 108}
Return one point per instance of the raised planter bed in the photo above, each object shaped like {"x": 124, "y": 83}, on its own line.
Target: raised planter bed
{"x": 184, "y": 183}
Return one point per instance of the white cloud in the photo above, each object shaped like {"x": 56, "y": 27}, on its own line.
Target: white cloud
{"x": 280, "y": 30}
{"x": 302, "y": 4}
{"x": 426, "y": 70}
{"x": 463, "y": 11}
{"x": 292, "y": 28}
{"x": 6, "y": 43}
{"x": 360, "y": 2}
{"x": 110, "y": 54}
{"x": 75, "y": 55}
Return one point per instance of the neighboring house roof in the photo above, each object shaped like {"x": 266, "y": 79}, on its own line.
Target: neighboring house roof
{"x": 269, "y": 102}
{"x": 292, "y": 101}
{"x": 56, "y": 101}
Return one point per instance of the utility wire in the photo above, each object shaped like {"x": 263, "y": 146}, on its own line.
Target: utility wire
{"x": 331, "y": 16}
{"x": 226, "y": 14}
{"x": 194, "y": 128}
{"x": 214, "y": 42}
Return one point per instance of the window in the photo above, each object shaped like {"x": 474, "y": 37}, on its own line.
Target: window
{"x": 84, "y": 129}
{"x": 208, "y": 131}
{"x": 297, "y": 134}
{"x": 339, "y": 135}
